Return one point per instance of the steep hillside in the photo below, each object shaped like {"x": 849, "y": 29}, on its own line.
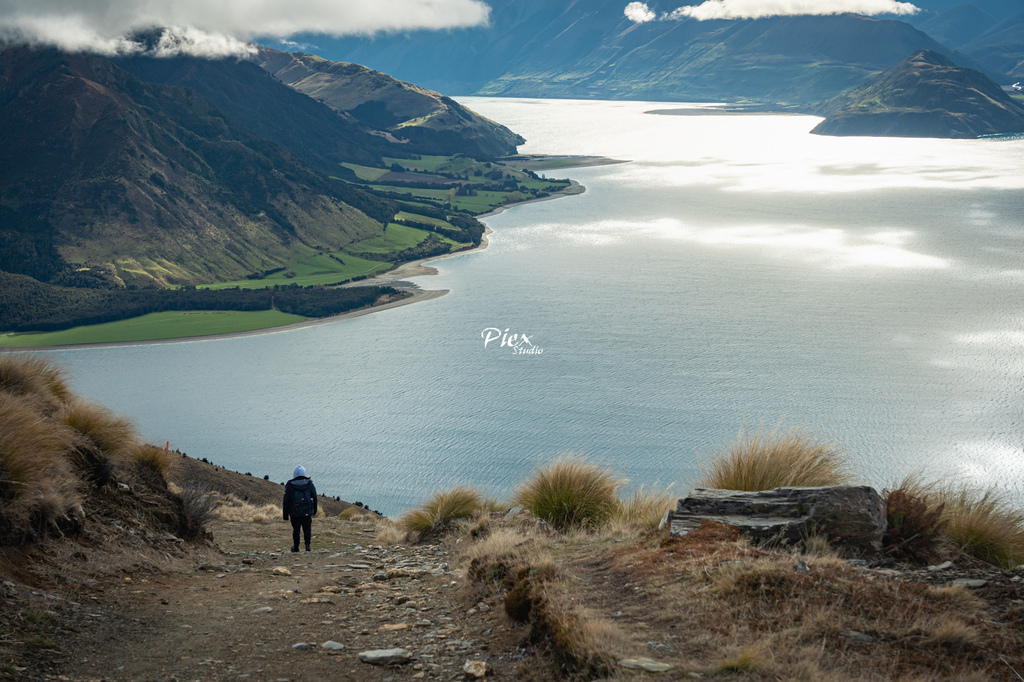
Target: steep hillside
{"x": 991, "y": 31}
{"x": 270, "y": 110}
{"x": 591, "y": 50}
{"x": 425, "y": 121}
{"x": 926, "y": 95}
{"x": 148, "y": 182}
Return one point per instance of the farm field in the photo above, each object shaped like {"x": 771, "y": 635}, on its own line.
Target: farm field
{"x": 166, "y": 325}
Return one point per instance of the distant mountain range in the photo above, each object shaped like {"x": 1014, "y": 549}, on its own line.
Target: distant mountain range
{"x": 567, "y": 48}
{"x": 926, "y": 95}
{"x": 991, "y": 31}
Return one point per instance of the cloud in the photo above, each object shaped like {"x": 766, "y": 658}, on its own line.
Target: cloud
{"x": 759, "y": 9}
{"x": 639, "y": 13}
{"x": 217, "y": 27}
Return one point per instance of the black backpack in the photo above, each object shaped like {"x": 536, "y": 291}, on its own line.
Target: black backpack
{"x": 302, "y": 500}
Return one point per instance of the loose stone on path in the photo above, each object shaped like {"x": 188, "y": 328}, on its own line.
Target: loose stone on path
{"x": 385, "y": 656}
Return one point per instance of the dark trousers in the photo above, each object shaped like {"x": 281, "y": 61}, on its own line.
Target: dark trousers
{"x": 306, "y": 524}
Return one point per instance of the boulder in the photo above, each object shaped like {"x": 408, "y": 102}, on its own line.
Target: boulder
{"x": 849, "y": 515}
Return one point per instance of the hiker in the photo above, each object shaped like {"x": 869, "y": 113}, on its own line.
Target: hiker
{"x": 300, "y": 505}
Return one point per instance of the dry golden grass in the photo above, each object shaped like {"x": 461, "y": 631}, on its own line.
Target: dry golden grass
{"x": 979, "y": 522}
{"x": 764, "y": 461}
{"x": 151, "y": 456}
{"x": 642, "y": 509}
{"x": 230, "y": 508}
{"x": 33, "y": 376}
{"x": 570, "y": 493}
{"x": 390, "y": 534}
{"x": 984, "y": 524}
{"x": 442, "y": 509}
{"x": 99, "y": 427}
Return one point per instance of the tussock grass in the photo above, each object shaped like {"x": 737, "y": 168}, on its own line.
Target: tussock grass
{"x": 98, "y": 427}
{"x": 33, "y": 376}
{"x": 390, "y": 534}
{"x": 570, "y": 493}
{"x": 642, "y": 508}
{"x": 983, "y": 524}
{"x": 153, "y": 457}
{"x": 764, "y": 461}
{"x": 441, "y": 510}
{"x": 230, "y": 508}
{"x": 976, "y": 521}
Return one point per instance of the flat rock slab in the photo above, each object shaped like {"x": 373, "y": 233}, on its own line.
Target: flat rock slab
{"x": 851, "y": 515}
{"x": 385, "y": 656}
{"x": 646, "y": 664}
{"x": 331, "y": 645}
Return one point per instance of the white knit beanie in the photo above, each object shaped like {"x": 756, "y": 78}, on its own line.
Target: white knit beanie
{"x": 299, "y": 471}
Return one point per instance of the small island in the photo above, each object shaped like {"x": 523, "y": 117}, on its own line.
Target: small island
{"x": 925, "y": 95}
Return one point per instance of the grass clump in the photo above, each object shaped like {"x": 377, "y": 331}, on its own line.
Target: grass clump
{"x": 441, "y": 510}
{"x": 33, "y": 376}
{"x": 642, "y": 508}
{"x": 152, "y": 457}
{"x": 764, "y": 461}
{"x": 983, "y": 524}
{"x": 571, "y": 494}
{"x": 915, "y": 524}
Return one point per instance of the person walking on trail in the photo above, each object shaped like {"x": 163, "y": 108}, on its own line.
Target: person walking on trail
{"x": 300, "y": 505}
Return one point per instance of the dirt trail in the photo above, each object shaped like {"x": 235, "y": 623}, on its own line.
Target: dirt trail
{"x": 238, "y": 615}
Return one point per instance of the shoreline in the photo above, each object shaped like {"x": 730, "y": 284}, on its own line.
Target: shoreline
{"x": 416, "y": 268}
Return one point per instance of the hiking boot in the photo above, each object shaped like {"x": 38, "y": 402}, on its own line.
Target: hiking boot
{"x": 307, "y": 549}
{"x": 295, "y": 548}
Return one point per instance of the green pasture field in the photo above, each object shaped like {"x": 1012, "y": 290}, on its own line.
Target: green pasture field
{"x": 320, "y": 269}
{"x": 395, "y": 238}
{"x": 368, "y": 173}
{"x": 175, "y": 324}
{"x": 416, "y": 217}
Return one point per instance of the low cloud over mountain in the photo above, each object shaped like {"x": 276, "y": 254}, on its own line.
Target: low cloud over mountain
{"x": 639, "y": 12}
{"x": 216, "y": 29}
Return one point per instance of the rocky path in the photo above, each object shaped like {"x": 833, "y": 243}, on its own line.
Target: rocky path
{"x": 255, "y": 612}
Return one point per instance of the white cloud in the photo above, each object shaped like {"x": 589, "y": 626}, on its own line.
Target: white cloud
{"x": 218, "y": 27}
{"x": 639, "y": 13}
{"x": 758, "y": 9}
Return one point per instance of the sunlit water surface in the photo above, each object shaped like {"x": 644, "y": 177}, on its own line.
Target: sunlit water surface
{"x": 737, "y": 270}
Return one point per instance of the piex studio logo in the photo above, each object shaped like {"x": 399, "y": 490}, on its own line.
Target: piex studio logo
{"x": 519, "y": 344}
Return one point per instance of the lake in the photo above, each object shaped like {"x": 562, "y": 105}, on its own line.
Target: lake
{"x": 737, "y": 271}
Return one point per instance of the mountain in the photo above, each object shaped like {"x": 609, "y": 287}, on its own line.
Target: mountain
{"x": 269, "y": 109}
{"x": 153, "y": 183}
{"x": 425, "y": 121}
{"x": 925, "y": 95}
{"x": 573, "y": 49}
{"x": 991, "y": 31}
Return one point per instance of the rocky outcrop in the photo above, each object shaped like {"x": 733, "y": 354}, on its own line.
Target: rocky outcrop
{"x": 849, "y": 515}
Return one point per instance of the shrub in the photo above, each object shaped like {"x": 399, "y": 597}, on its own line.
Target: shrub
{"x": 759, "y": 461}
{"x": 570, "y": 493}
{"x": 199, "y": 505}
{"x": 441, "y": 510}
{"x": 983, "y": 524}
{"x": 915, "y": 527}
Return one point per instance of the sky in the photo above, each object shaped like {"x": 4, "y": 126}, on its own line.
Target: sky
{"x": 218, "y": 27}
{"x": 639, "y": 12}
